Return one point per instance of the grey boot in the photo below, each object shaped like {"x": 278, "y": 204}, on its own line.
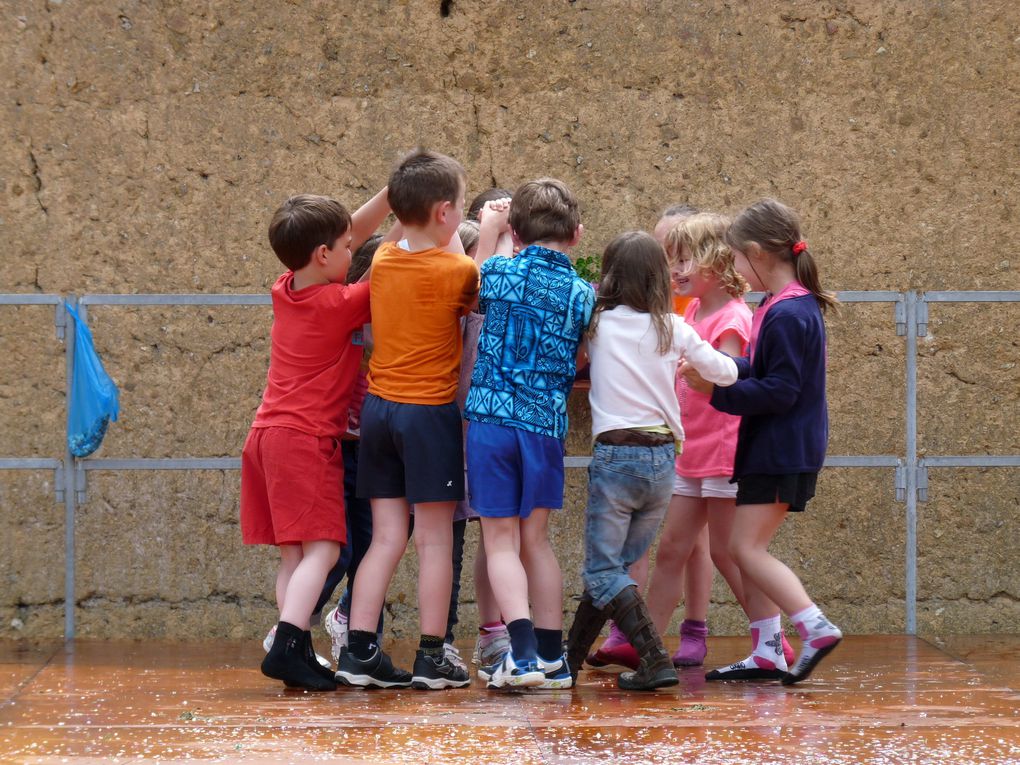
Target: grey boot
{"x": 588, "y": 623}
{"x": 656, "y": 669}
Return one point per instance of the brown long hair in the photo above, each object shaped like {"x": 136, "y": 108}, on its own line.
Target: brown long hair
{"x": 776, "y": 229}
{"x": 635, "y": 274}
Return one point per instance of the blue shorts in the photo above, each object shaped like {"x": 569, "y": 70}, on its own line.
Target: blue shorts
{"x": 513, "y": 471}
{"x": 411, "y": 450}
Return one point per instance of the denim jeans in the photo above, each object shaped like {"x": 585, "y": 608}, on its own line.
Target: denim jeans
{"x": 629, "y": 488}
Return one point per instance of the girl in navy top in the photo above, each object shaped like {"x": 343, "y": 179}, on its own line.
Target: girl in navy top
{"x": 783, "y": 432}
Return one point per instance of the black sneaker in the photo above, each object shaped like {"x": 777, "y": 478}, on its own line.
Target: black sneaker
{"x": 437, "y": 672}
{"x": 375, "y": 672}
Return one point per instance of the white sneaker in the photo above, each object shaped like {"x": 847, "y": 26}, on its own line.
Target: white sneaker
{"x": 267, "y": 643}
{"x": 453, "y": 656}
{"x": 510, "y": 673}
{"x": 557, "y": 674}
{"x": 335, "y": 624}
{"x": 490, "y": 647}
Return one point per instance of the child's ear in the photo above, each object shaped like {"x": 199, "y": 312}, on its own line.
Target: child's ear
{"x": 441, "y": 210}
{"x": 518, "y": 244}
{"x": 319, "y": 254}
{"x": 578, "y": 232}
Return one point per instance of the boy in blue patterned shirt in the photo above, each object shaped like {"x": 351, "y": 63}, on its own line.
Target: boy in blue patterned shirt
{"x": 536, "y": 312}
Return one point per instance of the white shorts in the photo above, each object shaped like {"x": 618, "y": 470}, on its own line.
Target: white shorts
{"x": 717, "y": 486}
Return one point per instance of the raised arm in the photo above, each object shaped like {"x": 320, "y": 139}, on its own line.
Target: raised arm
{"x": 367, "y": 218}
{"x": 493, "y": 223}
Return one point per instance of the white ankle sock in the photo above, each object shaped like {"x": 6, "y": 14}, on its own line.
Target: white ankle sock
{"x": 767, "y": 636}
{"x": 816, "y": 633}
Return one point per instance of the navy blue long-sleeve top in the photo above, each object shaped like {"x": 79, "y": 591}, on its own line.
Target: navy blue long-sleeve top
{"x": 780, "y": 395}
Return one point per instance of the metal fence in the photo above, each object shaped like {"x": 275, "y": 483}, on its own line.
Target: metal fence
{"x": 910, "y": 473}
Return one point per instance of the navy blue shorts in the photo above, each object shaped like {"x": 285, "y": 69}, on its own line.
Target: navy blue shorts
{"x": 411, "y": 450}
{"x": 513, "y": 471}
{"x": 795, "y": 490}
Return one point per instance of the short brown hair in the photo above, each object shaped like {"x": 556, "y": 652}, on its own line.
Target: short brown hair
{"x": 544, "y": 210}
{"x": 422, "y": 179}
{"x": 304, "y": 222}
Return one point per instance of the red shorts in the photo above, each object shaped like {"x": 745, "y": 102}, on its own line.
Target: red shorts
{"x": 292, "y": 488}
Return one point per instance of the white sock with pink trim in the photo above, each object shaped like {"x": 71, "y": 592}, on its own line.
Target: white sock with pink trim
{"x": 767, "y": 639}
{"x": 818, "y": 636}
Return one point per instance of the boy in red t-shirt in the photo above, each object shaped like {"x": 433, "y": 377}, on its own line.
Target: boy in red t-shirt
{"x": 292, "y": 464}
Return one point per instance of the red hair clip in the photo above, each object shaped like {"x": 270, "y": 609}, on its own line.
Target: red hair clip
{"x": 799, "y": 247}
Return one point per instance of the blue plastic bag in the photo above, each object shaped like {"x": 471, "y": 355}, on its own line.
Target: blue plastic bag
{"x": 92, "y": 402}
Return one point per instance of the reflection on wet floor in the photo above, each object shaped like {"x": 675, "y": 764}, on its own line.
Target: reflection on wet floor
{"x": 878, "y": 699}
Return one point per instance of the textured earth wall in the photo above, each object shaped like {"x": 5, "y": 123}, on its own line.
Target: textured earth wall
{"x": 145, "y": 146}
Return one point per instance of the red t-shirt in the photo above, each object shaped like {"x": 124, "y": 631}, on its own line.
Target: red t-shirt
{"x": 314, "y": 361}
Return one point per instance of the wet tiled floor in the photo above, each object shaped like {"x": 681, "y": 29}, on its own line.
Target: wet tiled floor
{"x": 878, "y": 699}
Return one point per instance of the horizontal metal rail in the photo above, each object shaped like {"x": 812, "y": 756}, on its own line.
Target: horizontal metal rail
{"x": 911, "y": 318}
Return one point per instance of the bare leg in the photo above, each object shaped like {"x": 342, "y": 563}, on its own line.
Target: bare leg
{"x": 389, "y": 540}
{"x": 638, "y": 570}
{"x": 488, "y": 608}
{"x": 502, "y": 540}
{"x": 720, "y": 528}
{"x": 433, "y": 541}
{"x": 684, "y": 519}
{"x": 290, "y": 557}
{"x": 305, "y": 585}
{"x": 753, "y": 529}
{"x": 698, "y": 578}
{"x": 545, "y": 581}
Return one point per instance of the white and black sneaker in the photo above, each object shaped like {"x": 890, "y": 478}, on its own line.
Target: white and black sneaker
{"x": 433, "y": 673}
{"x": 375, "y": 672}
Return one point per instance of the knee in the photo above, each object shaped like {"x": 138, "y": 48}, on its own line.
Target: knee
{"x": 739, "y": 552}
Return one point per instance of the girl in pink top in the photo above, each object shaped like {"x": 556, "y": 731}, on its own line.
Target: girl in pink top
{"x": 704, "y": 500}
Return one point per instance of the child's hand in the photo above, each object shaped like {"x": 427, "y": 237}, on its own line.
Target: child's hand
{"x": 496, "y": 213}
{"x": 694, "y": 378}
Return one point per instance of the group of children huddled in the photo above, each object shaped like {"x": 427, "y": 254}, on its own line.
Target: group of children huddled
{"x": 712, "y": 426}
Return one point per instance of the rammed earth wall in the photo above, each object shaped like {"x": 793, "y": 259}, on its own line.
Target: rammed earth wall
{"x": 145, "y": 146}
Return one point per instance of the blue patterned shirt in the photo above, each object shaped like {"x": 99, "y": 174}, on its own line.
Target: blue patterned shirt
{"x": 536, "y": 311}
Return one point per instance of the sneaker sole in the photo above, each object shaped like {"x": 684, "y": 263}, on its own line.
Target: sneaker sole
{"x": 527, "y": 680}
{"x": 437, "y": 683}
{"x": 556, "y": 685}
{"x": 367, "y": 681}
{"x": 747, "y": 674}
{"x": 791, "y": 679}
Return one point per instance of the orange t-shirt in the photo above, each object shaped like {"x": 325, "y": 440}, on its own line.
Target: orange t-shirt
{"x": 314, "y": 358}
{"x": 680, "y": 303}
{"x": 417, "y": 301}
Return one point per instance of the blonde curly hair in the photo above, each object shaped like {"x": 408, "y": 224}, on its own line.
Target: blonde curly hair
{"x": 704, "y": 235}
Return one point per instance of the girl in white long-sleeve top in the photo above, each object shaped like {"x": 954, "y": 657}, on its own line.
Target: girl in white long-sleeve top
{"x": 636, "y": 343}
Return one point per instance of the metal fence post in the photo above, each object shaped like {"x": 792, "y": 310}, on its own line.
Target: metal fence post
{"x": 70, "y": 497}
{"x": 910, "y": 595}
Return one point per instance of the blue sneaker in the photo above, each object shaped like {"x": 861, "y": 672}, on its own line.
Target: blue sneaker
{"x": 510, "y": 673}
{"x": 557, "y": 673}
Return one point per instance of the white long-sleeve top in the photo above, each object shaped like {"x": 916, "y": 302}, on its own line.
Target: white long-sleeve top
{"x": 632, "y": 384}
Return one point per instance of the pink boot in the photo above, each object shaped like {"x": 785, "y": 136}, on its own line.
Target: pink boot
{"x": 616, "y": 650}
{"x": 692, "y": 650}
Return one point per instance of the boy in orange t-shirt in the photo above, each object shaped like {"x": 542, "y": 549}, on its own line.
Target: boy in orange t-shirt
{"x": 411, "y": 443}
{"x": 292, "y": 465}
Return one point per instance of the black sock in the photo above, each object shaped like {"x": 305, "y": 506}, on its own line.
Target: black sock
{"x": 362, "y": 644}
{"x": 550, "y": 643}
{"x": 430, "y": 645}
{"x": 522, "y": 640}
